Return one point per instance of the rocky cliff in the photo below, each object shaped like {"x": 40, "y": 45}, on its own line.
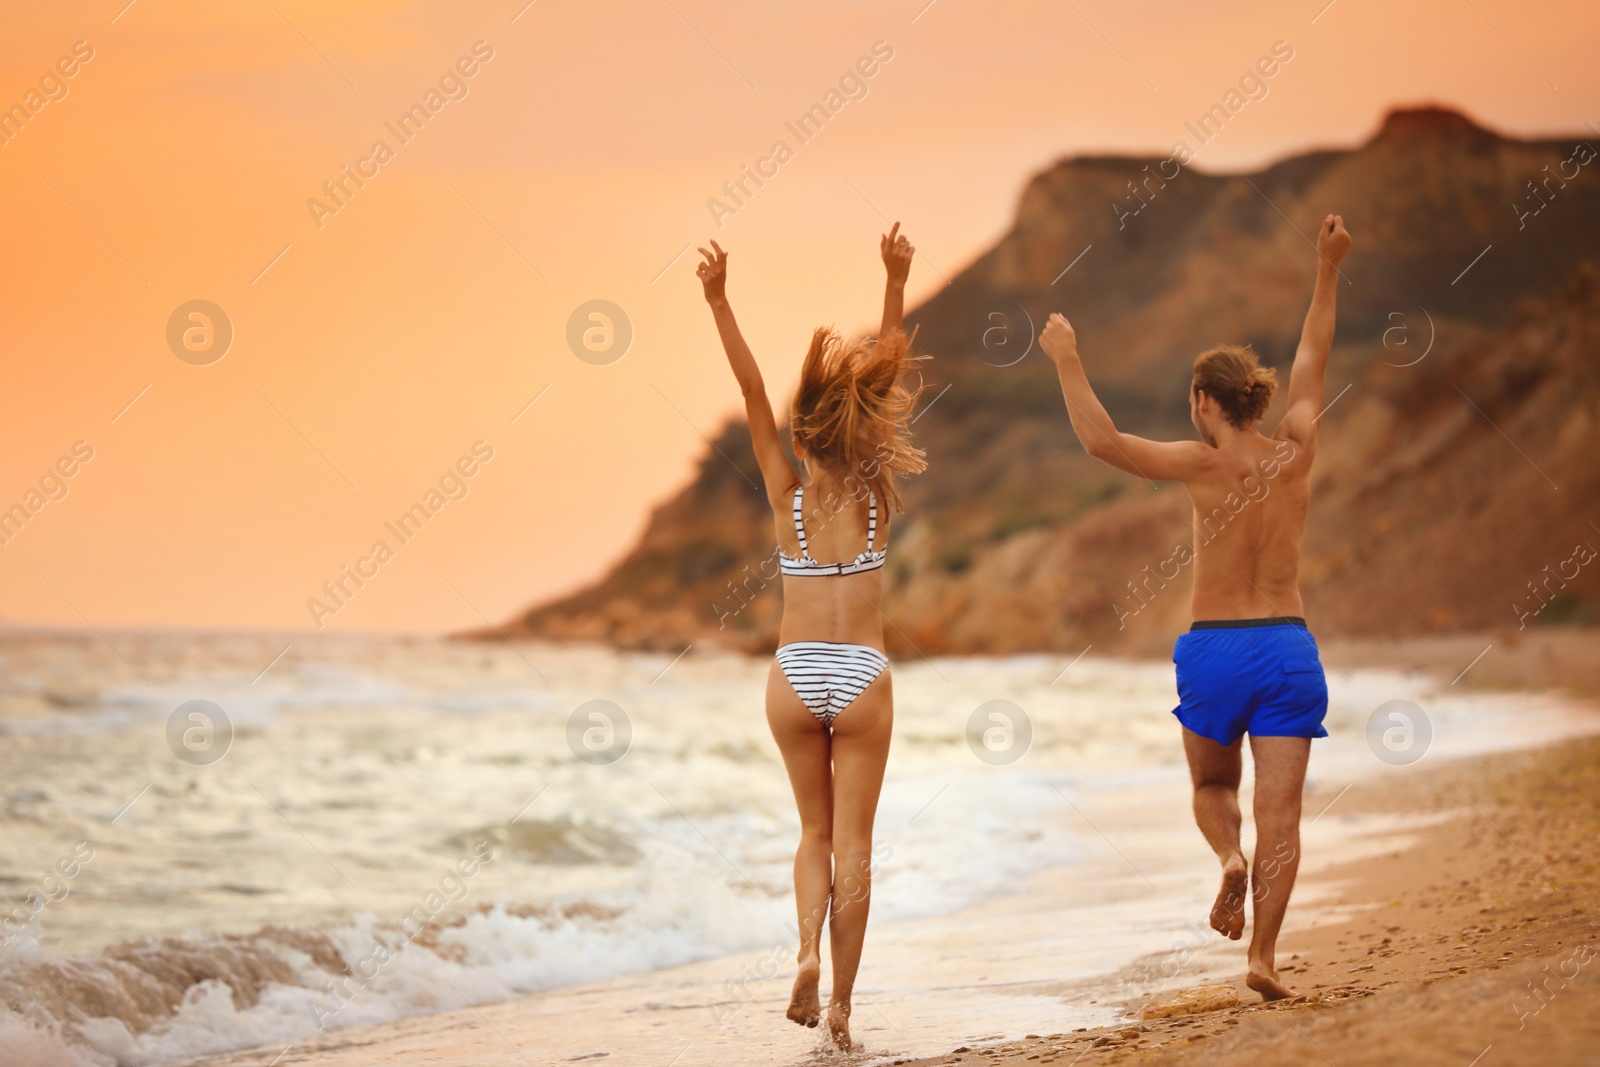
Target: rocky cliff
{"x": 1456, "y": 475}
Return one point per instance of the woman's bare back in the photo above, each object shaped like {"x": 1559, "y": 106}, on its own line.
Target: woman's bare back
{"x": 847, "y": 608}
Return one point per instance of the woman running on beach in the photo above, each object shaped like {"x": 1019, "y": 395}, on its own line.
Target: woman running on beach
{"x": 829, "y": 701}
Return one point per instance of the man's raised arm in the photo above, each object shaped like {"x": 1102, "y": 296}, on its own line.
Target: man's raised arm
{"x": 1316, "y": 338}
{"x": 1152, "y": 460}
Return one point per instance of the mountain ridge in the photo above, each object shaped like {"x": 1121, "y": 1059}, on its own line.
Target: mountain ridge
{"x": 1431, "y": 198}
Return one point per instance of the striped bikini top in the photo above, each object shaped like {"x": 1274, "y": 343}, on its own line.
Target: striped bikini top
{"x": 806, "y": 567}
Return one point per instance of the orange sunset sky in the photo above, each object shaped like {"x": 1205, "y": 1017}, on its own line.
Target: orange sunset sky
{"x": 371, "y": 352}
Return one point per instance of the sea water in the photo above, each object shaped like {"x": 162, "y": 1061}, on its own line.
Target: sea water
{"x": 364, "y": 828}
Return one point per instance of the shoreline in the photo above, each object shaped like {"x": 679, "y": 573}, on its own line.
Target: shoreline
{"x": 1086, "y": 878}
{"x": 1539, "y": 660}
{"x": 1083, "y": 943}
{"x": 1481, "y": 936}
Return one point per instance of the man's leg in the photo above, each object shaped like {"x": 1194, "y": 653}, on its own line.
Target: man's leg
{"x": 1280, "y": 781}
{"x": 1214, "y": 770}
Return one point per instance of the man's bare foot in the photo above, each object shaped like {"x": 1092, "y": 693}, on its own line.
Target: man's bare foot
{"x": 1263, "y": 978}
{"x": 803, "y": 1005}
{"x": 1227, "y": 914}
{"x": 839, "y": 1025}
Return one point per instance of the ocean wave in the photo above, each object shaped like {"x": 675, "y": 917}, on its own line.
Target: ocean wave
{"x": 170, "y": 999}
{"x": 563, "y": 840}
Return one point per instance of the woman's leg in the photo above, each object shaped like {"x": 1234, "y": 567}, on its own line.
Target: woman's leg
{"x": 803, "y": 741}
{"x": 860, "y": 751}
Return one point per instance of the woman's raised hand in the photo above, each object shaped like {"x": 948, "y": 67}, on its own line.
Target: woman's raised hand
{"x": 897, "y": 253}
{"x": 714, "y": 273}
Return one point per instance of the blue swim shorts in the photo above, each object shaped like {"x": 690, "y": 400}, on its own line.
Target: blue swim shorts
{"x": 1255, "y": 676}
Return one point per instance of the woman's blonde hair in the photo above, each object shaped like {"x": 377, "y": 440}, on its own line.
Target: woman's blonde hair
{"x": 851, "y": 408}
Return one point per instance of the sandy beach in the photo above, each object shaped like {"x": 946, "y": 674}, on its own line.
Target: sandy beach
{"x": 1472, "y": 936}
{"x": 1475, "y": 942}
{"x": 1433, "y": 900}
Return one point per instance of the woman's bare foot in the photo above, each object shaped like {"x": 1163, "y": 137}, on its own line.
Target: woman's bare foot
{"x": 804, "y": 1007}
{"x": 839, "y": 1025}
{"x": 1227, "y": 914}
{"x": 1263, "y": 978}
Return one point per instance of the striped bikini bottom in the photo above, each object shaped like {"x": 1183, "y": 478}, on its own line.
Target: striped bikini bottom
{"x": 828, "y": 676}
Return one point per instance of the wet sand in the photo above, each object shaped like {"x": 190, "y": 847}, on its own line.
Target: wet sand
{"x": 1479, "y": 944}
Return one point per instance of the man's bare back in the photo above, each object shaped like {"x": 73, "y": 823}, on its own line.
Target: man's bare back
{"x": 1249, "y": 665}
{"x": 1249, "y": 514}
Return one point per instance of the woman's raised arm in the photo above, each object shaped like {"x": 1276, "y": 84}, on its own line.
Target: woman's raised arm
{"x": 776, "y": 470}
{"x": 897, "y": 253}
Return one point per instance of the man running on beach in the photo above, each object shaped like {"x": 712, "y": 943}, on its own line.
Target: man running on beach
{"x": 1248, "y": 665}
